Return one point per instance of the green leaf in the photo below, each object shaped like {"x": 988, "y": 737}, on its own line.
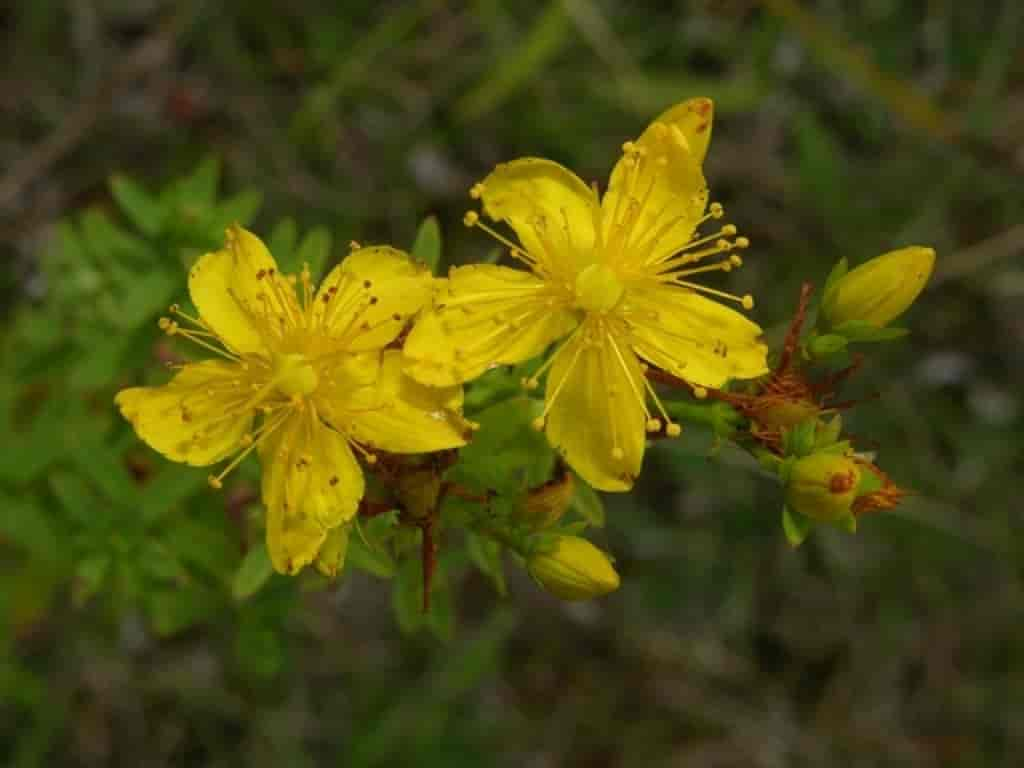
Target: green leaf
{"x": 172, "y": 611}
{"x": 366, "y": 548}
{"x": 282, "y": 244}
{"x": 141, "y": 208}
{"x": 795, "y": 526}
{"x": 204, "y": 544}
{"x": 587, "y": 503}
{"x": 488, "y": 555}
{"x": 200, "y": 187}
{"x": 507, "y": 454}
{"x": 27, "y": 526}
{"x": 239, "y": 209}
{"x": 255, "y": 570}
{"x": 407, "y": 596}
{"x": 90, "y": 576}
{"x": 427, "y": 246}
{"x": 314, "y": 251}
{"x": 39, "y": 445}
{"x": 78, "y": 499}
{"x": 170, "y": 487}
{"x": 259, "y": 649}
{"x": 159, "y": 563}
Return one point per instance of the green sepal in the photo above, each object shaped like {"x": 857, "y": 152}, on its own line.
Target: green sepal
{"x": 838, "y": 273}
{"x": 863, "y": 331}
{"x": 869, "y": 483}
{"x": 848, "y": 523}
{"x": 824, "y": 346}
{"x": 827, "y": 433}
{"x": 795, "y": 526}
{"x": 799, "y": 440}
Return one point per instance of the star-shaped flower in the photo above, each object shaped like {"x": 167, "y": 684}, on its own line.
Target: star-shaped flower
{"x": 611, "y": 279}
{"x": 303, "y": 377}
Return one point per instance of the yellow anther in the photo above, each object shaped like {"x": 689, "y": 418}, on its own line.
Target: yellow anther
{"x": 215, "y": 482}
{"x": 246, "y": 440}
{"x": 700, "y": 393}
{"x": 471, "y": 218}
{"x": 729, "y": 230}
{"x": 748, "y": 301}
{"x": 538, "y": 423}
{"x": 174, "y": 309}
{"x": 354, "y": 245}
{"x": 742, "y": 242}
{"x": 673, "y": 430}
{"x": 654, "y": 425}
{"x": 716, "y": 210}
{"x": 736, "y": 260}
{"x": 476, "y": 191}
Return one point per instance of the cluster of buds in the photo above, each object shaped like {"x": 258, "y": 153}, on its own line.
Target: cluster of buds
{"x": 792, "y": 421}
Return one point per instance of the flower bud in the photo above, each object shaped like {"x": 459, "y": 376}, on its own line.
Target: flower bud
{"x": 545, "y": 505}
{"x": 879, "y": 290}
{"x": 331, "y": 557}
{"x": 822, "y": 486}
{"x": 574, "y": 569}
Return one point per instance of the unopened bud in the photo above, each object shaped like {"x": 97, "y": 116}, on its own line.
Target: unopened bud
{"x": 822, "y": 486}
{"x": 880, "y": 290}
{"x": 781, "y": 413}
{"x": 330, "y": 560}
{"x": 574, "y": 569}
{"x": 545, "y": 505}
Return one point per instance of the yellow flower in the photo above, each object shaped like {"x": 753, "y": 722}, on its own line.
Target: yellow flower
{"x": 574, "y": 569}
{"x": 881, "y": 289}
{"x": 302, "y": 378}
{"x": 611, "y": 277}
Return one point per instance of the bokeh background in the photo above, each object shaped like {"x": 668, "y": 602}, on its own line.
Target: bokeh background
{"x": 131, "y": 132}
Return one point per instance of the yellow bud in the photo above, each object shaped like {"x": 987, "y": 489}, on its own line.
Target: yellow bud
{"x": 823, "y": 486}
{"x": 574, "y": 570}
{"x": 331, "y": 558}
{"x": 545, "y": 505}
{"x": 880, "y": 290}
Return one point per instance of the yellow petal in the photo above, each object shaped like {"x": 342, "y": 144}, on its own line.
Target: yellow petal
{"x": 373, "y": 285}
{"x": 489, "y": 316}
{"x": 311, "y": 484}
{"x": 597, "y": 419}
{"x": 552, "y": 211}
{"x": 657, "y": 193}
{"x": 400, "y": 415}
{"x": 239, "y": 293}
{"x": 694, "y": 337}
{"x": 693, "y": 118}
{"x": 190, "y": 419}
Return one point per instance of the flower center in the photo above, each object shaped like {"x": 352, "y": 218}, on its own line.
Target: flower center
{"x": 293, "y": 375}
{"x": 597, "y": 288}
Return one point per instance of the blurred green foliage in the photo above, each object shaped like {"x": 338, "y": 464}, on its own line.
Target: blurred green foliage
{"x": 139, "y": 621}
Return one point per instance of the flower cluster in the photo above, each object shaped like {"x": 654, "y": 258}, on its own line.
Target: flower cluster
{"x": 326, "y": 382}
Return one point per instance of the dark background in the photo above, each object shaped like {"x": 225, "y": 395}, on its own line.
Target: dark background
{"x": 842, "y": 129}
